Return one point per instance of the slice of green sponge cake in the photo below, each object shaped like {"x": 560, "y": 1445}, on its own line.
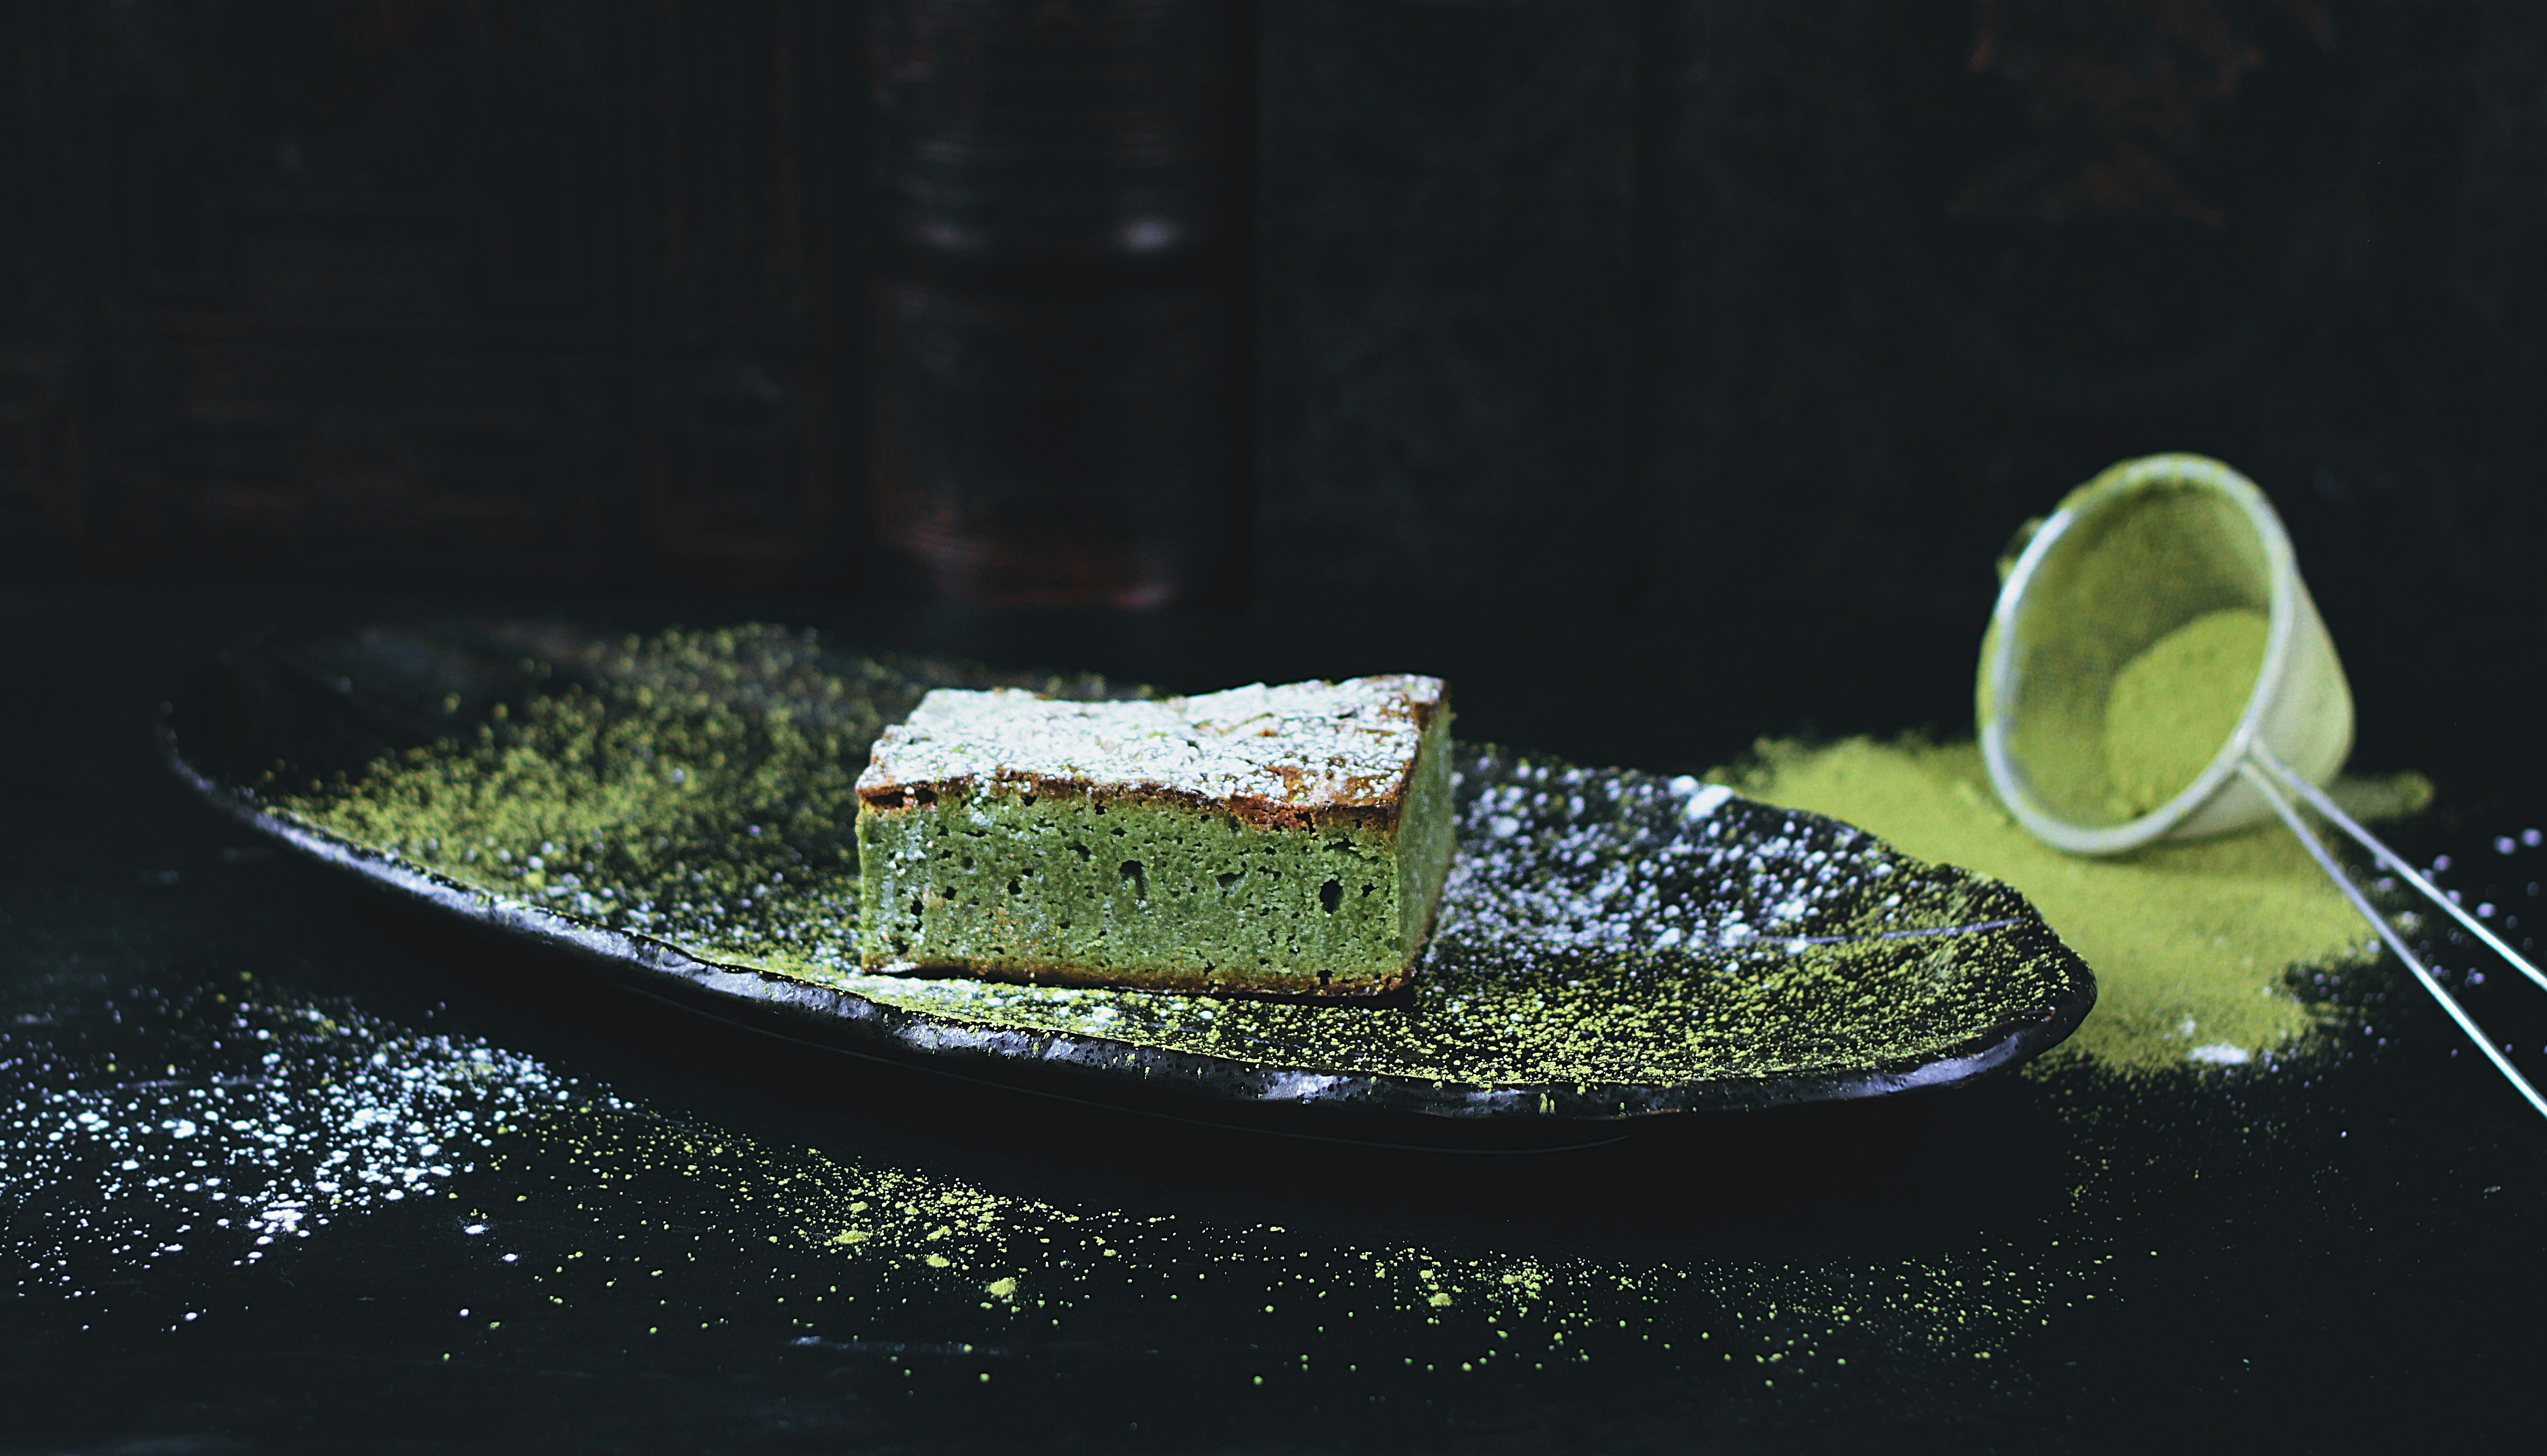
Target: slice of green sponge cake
{"x": 1287, "y": 839}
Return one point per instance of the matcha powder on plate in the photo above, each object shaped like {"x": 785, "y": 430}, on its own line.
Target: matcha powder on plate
{"x": 2190, "y": 940}
{"x": 2173, "y": 707}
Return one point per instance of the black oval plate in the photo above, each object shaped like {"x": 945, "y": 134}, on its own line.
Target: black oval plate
{"x": 678, "y": 809}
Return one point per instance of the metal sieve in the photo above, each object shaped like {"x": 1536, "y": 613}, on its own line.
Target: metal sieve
{"x": 2126, "y": 559}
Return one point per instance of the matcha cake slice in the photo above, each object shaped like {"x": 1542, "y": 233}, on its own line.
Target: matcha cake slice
{"x": 1287, "y": 839}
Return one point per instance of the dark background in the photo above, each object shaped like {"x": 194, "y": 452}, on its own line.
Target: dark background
{"x": 1756, "y": 328}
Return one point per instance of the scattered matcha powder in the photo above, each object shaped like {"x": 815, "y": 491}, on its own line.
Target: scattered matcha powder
{"x": 893, "y": 1240}
{"x": 1603, "y": 929}
{"x": 2172, "y": 706}
{"x": 2191, "y": 941}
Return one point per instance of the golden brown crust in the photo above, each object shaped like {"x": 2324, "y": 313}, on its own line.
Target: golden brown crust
{"x": 1264, "y": 813}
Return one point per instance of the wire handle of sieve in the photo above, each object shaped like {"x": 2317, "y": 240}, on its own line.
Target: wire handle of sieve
{"x": 2260, "y": 768}
{"x": 2318, "y": 799}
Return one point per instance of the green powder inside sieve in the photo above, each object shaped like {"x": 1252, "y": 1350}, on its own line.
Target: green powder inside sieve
{"x": 2173, "y": 706}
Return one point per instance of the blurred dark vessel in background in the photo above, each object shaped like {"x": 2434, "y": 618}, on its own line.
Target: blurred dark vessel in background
{"x": 1060, "y": 283}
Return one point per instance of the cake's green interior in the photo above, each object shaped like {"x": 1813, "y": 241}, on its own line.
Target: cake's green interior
{"x": 1107, "y": 888}
{"x": 1599, "y": 926}
{"x": 1427, "y": 829}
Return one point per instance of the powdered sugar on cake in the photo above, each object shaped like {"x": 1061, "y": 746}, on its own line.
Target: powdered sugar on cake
{"x": 1305, "y": 745}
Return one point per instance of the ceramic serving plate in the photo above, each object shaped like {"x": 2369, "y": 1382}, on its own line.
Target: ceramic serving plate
{"x": 678, "y": 810}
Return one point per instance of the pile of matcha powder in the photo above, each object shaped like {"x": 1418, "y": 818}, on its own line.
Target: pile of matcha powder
{"x": 2193, "y": 942}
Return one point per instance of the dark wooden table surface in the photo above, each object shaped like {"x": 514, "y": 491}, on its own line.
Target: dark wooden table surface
{"x": 647, "y": 1253}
